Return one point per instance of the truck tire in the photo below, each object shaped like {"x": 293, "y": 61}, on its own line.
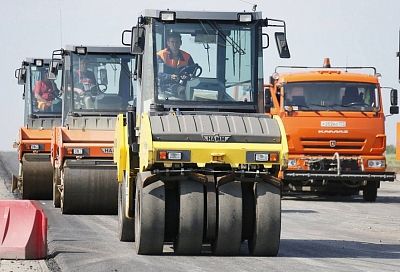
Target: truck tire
{"x": 370, "y": 191}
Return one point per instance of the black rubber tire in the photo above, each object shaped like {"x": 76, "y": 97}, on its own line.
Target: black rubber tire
{"x": 267, "y": 225}
{"x": 37, "y": 177}
{"x": 149, "y": 217}
{"x": 191, "y": 218}
{"x": 56, "y": 183}
{"x": 370, "y": 191}
{"x": 211, "y": 212}
{"x": 229, "y": 219}
{"x": 126, "y": 223}
{"x": 89, "y": 190}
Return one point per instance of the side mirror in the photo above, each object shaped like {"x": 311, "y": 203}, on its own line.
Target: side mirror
{"x": 282, "y": 45}
{"x": 137, "y": 42}
{"x": 53, "y": 70}
{"x": 393, "y": 97}
{"x": 20, "y": 74}
{"x": 265, "y": 41}
{"x": 125, "y": 38}
{"x": 394, "y": 109}
{"x": 103, "y": 76}
{"x": 267, "y": 100}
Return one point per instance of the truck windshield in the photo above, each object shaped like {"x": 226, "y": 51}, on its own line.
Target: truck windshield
{"x": 101, "y": 82}
{"x": 45, "y": 96}
{"x": 328, "y": 96}
{"x": 206, "y": 62}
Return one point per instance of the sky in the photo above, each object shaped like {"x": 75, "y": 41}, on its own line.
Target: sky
{"x": 349, "y": 32}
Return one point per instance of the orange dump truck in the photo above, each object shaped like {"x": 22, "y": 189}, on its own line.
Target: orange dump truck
{"x": 335, "y": 126}
{"x": 42, "y": 112}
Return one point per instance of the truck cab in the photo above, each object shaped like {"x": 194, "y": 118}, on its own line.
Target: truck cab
{"x": 335, "y": 126}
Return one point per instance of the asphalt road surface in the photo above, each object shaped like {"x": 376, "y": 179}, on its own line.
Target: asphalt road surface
{"x": 318, "y": 234}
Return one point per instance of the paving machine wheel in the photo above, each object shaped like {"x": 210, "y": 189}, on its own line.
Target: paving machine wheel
{"x": 37, "y": 176}
{"x": 191, "y": 218}
{"x": 88, "y": 188}
{"x": 267, "y": 224}
{"x": 56, "y": 190}
{"x": 126, "y": 223}
{"x": 229, "y": 219}
{"x": 149, "y": 216}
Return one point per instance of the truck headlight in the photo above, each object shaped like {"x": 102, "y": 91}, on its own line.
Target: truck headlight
{"x": 376, "y": 163}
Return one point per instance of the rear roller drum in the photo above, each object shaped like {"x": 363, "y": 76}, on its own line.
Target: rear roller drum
{"x": 89, "y": 191}
{"x": 229, "y": 219}
{"x": 126, "y": 223}
{"x": 37, "y": 177}
{"x": 267, "y": 225}
{"x": 191, "y": 218}
{"x": 149, "y": 216}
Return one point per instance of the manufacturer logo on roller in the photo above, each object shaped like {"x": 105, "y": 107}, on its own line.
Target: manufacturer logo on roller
{"x": 216, "y": 138}
{"x": 107, "y": 150}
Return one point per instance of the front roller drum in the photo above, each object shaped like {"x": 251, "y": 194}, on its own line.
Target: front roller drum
{"x": 37, "y": 176}
{"x": 91, "y": 190}
{"x": 149, "y": 216}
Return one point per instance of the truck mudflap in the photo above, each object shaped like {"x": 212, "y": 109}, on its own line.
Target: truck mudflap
{"x": 342, "y": 176}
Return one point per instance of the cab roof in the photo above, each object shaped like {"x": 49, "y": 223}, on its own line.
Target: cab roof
{"x": 201, "y": 15}
{"x": 327, "y": 75}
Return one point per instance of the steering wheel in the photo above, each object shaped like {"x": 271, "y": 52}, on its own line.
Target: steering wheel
{"x": 98, "y": 88}
{"x": 189, "y": 72}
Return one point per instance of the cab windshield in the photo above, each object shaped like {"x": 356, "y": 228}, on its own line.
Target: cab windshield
{"x": 207, "y": 62}
{"x": 101, "y": 82}
{"x": 45, "y": 96}
{"x": 328, "y": 96}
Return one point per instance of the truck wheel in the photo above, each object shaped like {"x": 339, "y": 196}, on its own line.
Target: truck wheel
{"x": 370, "y": 191}
{"x": 126, "y": 225}
{"x": 267, "y": 225}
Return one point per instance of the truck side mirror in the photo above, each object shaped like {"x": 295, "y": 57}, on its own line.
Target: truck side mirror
{"x": 137, "y": 43}
{"x": 393, "y": 97}
{"x": 103, "y": 76}
{"x": 267, "y": 100}
{"x": 282, "y": 45}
